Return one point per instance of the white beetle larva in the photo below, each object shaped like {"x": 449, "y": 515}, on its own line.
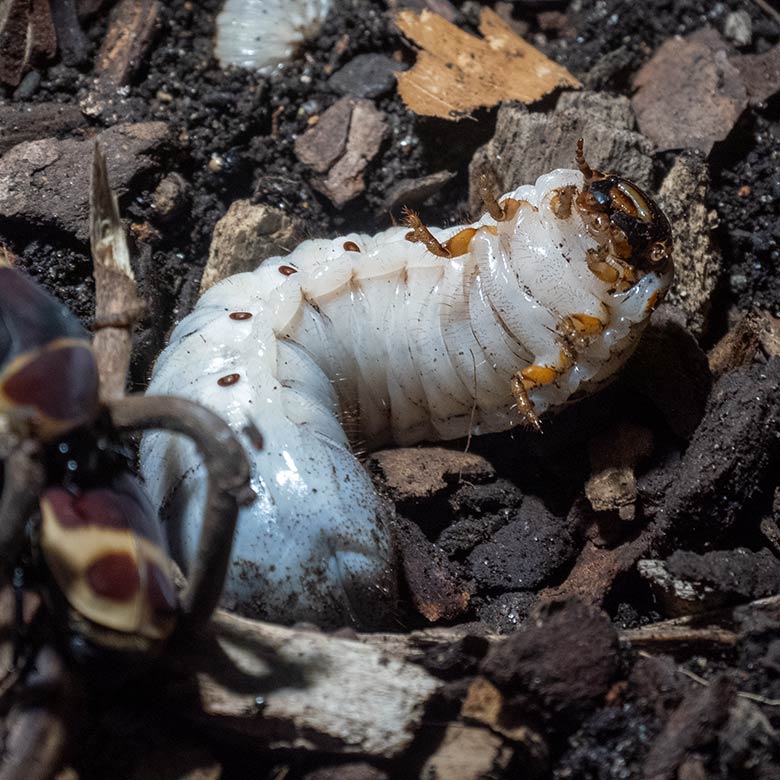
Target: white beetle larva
{"x": 262, "y": 34}
{"x": 408, "y": 335}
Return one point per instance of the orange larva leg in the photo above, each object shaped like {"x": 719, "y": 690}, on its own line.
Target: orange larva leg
{"x": 586, "y": 324}
{"x": 599, "y": 267}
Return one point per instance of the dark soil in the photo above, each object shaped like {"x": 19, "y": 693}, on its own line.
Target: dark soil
{"x": 706, "y": 492}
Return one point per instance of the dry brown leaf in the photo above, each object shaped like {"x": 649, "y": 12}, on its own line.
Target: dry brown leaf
{"x": 457, "y": 72}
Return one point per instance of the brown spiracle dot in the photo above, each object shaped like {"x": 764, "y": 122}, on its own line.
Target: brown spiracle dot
{"x": 240, "y": 315}
{"x": 228, "y": 379}
{"x": 287, "y": 270}
{"x": 351, "y": 246}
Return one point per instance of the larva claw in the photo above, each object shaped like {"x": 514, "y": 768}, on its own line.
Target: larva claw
{"x": 525, "y": 406}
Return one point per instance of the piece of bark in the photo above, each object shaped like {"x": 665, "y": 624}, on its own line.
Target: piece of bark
{"x": 436, "y": 585}
{"x": 596, "y": 570}
{"x": 485, "y": 703}
{"x": 718, "y": 630}
{"x": 73, "y": 44}
{"x": 457, "y": 72}
{"x": 46, "y": 182}
{"x": 413, "y": 473}
{"x": 761, "y": 73}
{"x": 689, "y": 95}
{"x": 693, "y": 725}
{"x": 698, "y": 264}
{"x": 117, "y": 305}
{"x": 131, "y": 28}
{"x": 614, "y": 455}
{"x": 738, "y": 347}
{"x": 27, "y": 36}
{"x": 294, "y": 689}
{"x": 244, "y": 237}
{"x": 321, "y": 145}
{"x": 21, "y": 123}
{"x": 556, "y": 667}
{"x": 414, "y": 192}
{"x": 344, "y": 180}
{"x": 688, "y": 583}
{"x": 467, "y": 753}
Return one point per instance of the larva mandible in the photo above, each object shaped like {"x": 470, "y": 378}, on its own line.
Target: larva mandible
{"x": 408, "y": 335}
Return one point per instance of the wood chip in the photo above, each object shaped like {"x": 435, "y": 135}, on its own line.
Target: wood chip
{"x": 761, "y": 73}
{"x": 457, "y": 72}
{"x": 117, "y": 304}
{"x": 412, "y": 473}
{"x": 296, "y": 689}
{"x": 244, "y": 237}
{"x": 26, "y": 36}
{"x": 130, "y": 33}
{"x": 689, "y": 95}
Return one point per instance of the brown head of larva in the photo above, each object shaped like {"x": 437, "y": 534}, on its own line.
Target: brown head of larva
{"x": 623, "y": 218}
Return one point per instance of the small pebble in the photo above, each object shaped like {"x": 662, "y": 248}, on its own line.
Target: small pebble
{"x": 738, "y": 28}
{"x": 366, "y": 76}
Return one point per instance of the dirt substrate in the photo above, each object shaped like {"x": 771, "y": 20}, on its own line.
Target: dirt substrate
{"x": 657, "y": 499}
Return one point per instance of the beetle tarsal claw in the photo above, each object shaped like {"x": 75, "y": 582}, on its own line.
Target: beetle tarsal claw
{"x": 530, "y": 377}
{"x": 525, "y": 406}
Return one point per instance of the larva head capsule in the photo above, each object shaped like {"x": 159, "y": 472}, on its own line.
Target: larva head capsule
{"x": 624, "y": 219}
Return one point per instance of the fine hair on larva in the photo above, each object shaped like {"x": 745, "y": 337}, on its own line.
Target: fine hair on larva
{"x": 410, "y": 335}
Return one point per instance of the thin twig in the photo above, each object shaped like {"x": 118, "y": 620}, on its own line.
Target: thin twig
{"x": 703, "y": 681}
{"x": 767, "y": 9}
{"x": 117, "y": 305}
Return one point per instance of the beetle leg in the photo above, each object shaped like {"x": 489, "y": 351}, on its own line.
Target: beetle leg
{"x": 228, "y": 487}
{"x": 24, "y": 481}
{"x": 37, "y": 735}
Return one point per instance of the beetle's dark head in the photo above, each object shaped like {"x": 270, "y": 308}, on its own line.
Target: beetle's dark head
{"x": 623, "y": 217}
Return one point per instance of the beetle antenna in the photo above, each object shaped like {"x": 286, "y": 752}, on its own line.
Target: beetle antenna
{"x": 586, "y": 170}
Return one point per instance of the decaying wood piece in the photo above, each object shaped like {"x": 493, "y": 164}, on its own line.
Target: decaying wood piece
{"x": 130, "y": 33}
{"x": 117, "y": 305}
{"x": 718, "y": 629}
{"x": 292, "y": 688}
{"x": 457, "y": 72}
{"x": 26, "y": 36}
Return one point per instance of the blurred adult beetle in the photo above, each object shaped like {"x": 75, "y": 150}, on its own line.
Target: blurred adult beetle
{"x": 69, "y": 496}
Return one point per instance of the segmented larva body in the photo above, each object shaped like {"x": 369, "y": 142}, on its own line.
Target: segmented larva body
{"x": 369, "y": 340}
